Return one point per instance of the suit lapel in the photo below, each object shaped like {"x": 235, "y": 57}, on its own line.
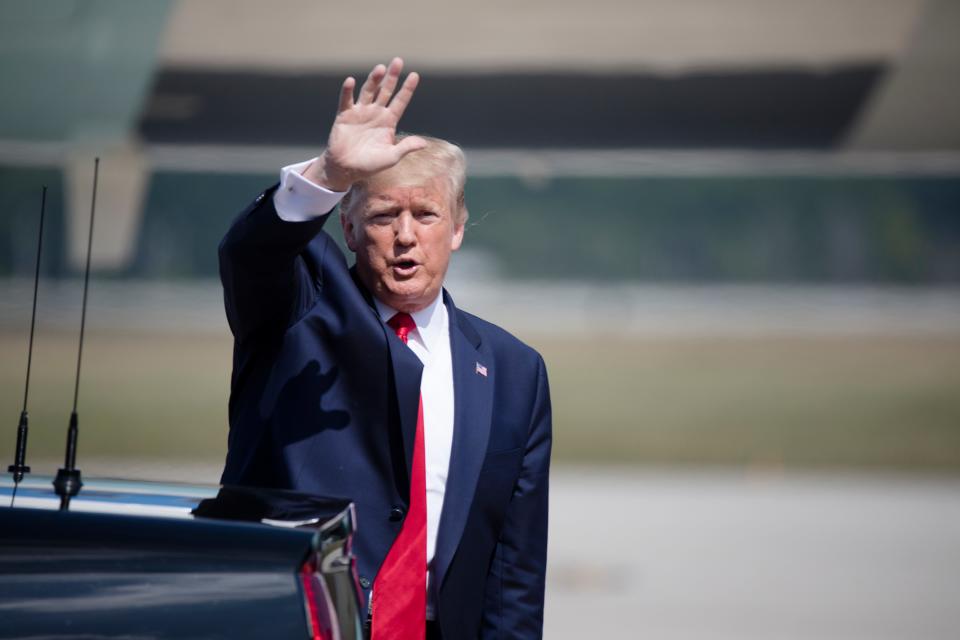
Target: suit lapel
{"x": 407, "y": 371}
{"x": 473, "y": 407}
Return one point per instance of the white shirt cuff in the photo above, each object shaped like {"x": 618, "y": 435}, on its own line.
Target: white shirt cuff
{"x": 299, "y": 200}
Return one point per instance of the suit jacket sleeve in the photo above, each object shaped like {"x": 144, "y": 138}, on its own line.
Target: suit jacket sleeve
{"x": 267, "y": 283}
{"x": 515, "y": 588}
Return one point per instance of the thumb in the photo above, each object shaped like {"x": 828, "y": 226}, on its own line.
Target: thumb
{"x": 409, "y": 145}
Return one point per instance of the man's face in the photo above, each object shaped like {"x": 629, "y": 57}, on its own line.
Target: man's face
{"x": 403, "y": 235}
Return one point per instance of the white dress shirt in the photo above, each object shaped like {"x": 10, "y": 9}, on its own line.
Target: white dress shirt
{"x": 298, "y": 200}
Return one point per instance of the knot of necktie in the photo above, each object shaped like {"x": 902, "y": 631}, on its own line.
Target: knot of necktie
{"x": 402, "y": 324}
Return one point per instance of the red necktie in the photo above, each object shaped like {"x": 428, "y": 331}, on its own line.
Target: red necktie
{"x": 400, "y": 590}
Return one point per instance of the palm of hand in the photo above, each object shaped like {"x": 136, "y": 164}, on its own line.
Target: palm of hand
{"x": 363, "y": 139}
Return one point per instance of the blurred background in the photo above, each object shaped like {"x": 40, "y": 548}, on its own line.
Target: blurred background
{"x": 732, "y": 227}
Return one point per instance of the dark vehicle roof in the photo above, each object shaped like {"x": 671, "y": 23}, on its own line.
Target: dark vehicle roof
{"x": 161, "y": 560}
{"x": 259, "y": 525}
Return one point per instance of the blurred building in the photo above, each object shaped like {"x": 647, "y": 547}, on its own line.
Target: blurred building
{"x": 746, "y": 140}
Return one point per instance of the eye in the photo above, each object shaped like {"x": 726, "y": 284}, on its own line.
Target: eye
{"x": 381, "y": 218}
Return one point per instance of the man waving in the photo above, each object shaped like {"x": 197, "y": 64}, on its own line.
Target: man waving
{"x": 368, "y": 382}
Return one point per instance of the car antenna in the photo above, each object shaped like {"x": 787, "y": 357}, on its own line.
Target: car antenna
{"x": 67, "y": 483}
{"x": 19, "y": 467}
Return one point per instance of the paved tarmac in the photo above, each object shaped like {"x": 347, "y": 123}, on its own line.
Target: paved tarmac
{"x": 675, "y": 555}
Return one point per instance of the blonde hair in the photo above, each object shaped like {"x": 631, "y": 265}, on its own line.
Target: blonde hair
{"x": 439, "y": 159}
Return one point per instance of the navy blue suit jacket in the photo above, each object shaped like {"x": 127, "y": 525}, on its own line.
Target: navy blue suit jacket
{"x": 324, "y": 400}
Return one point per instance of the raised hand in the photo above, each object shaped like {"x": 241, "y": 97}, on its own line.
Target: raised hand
{"x": 363, "y": 137}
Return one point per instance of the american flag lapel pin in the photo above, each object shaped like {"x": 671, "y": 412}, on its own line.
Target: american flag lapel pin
{"x": 481, "y": 370}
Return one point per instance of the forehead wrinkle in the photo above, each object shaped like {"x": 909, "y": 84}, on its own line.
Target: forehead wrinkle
{"x": 418, "y": 201}
{"x": 377, "y": 200}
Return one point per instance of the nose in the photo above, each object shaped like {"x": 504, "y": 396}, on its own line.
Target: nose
{"x": 405, "y": 229}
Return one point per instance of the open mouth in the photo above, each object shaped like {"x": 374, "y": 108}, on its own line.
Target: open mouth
{"x": 405, "y": 267}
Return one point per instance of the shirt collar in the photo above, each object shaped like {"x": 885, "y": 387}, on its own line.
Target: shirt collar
{"x": 429, "y": 320}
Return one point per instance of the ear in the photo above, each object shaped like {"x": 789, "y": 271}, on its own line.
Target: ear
{"x": 457, "y": 239}
{"x": 349, "y": 230}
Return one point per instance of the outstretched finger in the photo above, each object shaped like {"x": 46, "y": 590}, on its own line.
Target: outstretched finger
{"x": 346, "y": 95}
{"x": 400, "y": 101}
{"x": 369, "y": 89}
{"x": 389, "y": 82}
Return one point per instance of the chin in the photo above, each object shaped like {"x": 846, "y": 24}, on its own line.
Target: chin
{"x": 408, "y": 297}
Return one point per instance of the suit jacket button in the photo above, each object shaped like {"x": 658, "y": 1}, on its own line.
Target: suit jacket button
{"x": 364, "y": 583}
{"x": 396, "y": 514}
